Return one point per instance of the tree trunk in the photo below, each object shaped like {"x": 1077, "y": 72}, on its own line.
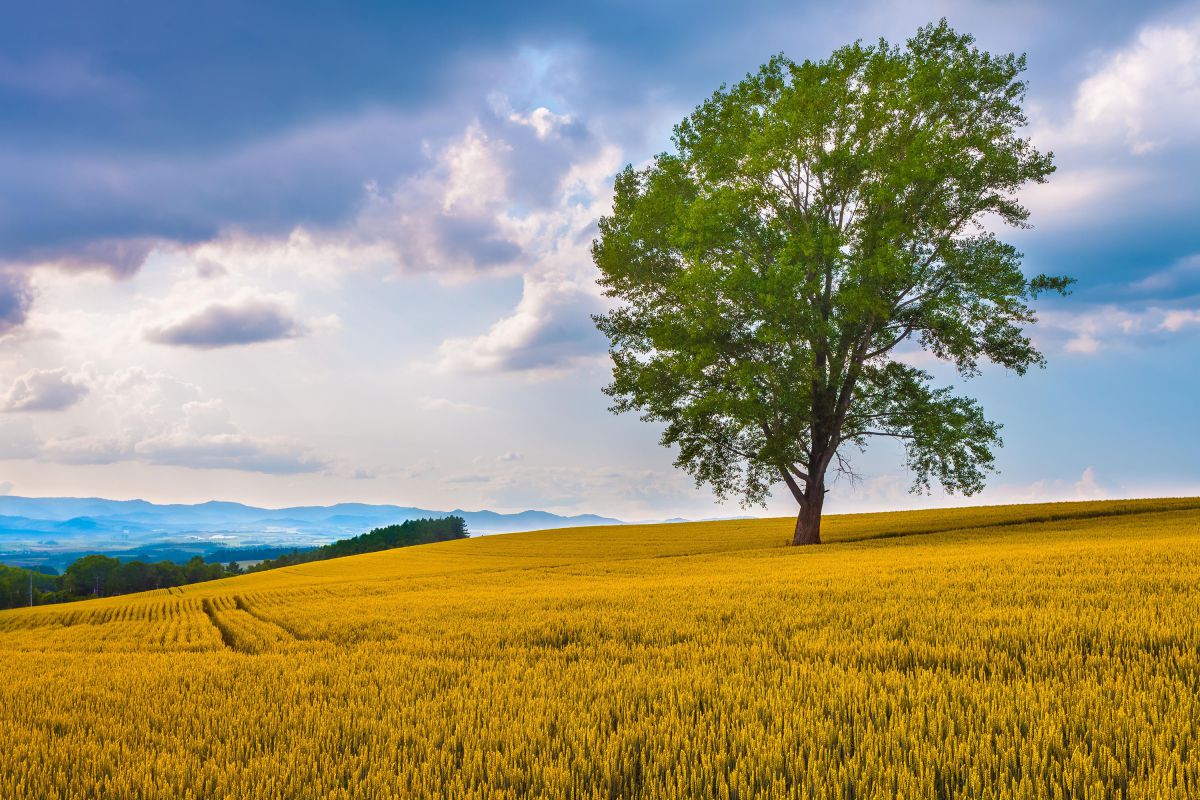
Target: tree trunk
{"x": 808, "y": 521}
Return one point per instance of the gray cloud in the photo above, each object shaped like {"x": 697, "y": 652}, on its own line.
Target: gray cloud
{"x": 104, "y": 211}
{"x": 179, "y": 448}
{"x": 475, "y": 241}
{"x": 97, "y": 181}
{"x": 15, "y": 298}
{"x": 85, "y": 450}
{"x": 565, "y": 333}
{"x": 550, "y": 331}
{"x": 229, "y": 451}
{"x": 44, "y": 390}
{"x": 243, "y": 322}
{"x": 120, "y": 258}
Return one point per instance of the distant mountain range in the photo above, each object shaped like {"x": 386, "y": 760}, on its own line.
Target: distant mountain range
{"x": 53, "y": 531}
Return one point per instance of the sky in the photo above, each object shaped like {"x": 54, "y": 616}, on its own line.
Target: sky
{"x": 289, "y": 253}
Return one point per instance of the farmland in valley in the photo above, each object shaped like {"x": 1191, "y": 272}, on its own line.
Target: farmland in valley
{"x": 1005, "y": 652}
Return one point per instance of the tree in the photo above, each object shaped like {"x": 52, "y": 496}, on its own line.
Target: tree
{"x": 91, "y": 575}
{"x": 134, "y": 576}
{"x": 815, "y": 218}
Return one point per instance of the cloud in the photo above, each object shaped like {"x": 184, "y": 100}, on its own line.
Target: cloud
{"x": 1083, "y": 344}
{"x": 44, "y": 390}
{"x": 510, "y": 456}
{"x": 84, "y": 209}
{"x": 15, "y": 299}
{"x": 86, "y": 449}
{"x": 469, "y": 478}
{"x": 480, "y": 205}
{"x": 550, "y": 331}
{"x": 1178, "y": 319}
{"x": 250, "y": 320}
{"x": 234, "y": 451}
{"x": 509, "y": 195}
{"x": 184, "y": 448}
{"x": 1089, "y": 330}
{"x": 542, "y": 120}
{"x": 444, "y": 404}
{"x": 321, "y": 257}
{"x": 206, "y": 438}
{"x": 456, "y": 218}
{"x": 1145, "y": 96}
{"x": 120, "y": 258}
{"x": 154, "y": 418}
{"x": 449, "y": 219}
{"x": 419, "y": 192}
{"x": 1088, "y": 488}
{"x": 1181, "y": 277}
{"x": 1071, "y": 196}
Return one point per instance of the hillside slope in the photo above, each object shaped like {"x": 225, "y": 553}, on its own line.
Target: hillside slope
{"x": 1008, "y": 652}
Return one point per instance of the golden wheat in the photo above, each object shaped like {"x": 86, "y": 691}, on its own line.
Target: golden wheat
{"x": 1010, "y": 652}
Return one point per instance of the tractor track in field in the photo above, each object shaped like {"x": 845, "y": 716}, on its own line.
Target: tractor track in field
{"x": 210, "y": 611}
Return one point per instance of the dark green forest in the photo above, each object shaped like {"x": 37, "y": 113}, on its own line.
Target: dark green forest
{"x": 102, "y": 576}
{"x": 406, "y": 534}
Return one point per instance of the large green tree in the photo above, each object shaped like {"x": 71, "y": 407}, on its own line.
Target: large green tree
{"x": 815, "y": 218}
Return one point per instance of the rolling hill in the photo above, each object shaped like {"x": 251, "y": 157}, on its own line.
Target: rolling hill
{"x": 54, "y": 531}
{"x": 1004, "y": 652}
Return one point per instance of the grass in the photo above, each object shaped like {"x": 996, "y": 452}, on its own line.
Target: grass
{"x": 1005, "y": 652}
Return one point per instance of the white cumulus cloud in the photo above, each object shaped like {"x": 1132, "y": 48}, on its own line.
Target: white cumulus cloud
{"x": 1145, "y": 96}
{"x": 45, "y": 390}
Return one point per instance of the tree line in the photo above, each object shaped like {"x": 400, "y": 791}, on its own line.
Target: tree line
{"x": 405, "y": 534}
{"x": 101, "y": 576}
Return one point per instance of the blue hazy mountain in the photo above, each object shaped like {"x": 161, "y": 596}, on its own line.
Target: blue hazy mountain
{"x": 49, "y": 530}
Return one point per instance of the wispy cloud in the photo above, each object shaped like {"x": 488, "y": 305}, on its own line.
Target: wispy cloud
{"x": 157, "y": 419}
{"x": 1180, "y": 278}
{"x": 445, "y": 404}
{"x": 1092, "y": 329}
{"x": 63, "y": 75}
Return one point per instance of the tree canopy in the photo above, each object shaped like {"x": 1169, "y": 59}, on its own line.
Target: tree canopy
{"x": 815, "y": 218}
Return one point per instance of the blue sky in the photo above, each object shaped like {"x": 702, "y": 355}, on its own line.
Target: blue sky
{"x": 287, "y": 253}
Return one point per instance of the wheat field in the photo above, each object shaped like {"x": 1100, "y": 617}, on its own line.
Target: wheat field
{"x": 1043, "y": 651}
